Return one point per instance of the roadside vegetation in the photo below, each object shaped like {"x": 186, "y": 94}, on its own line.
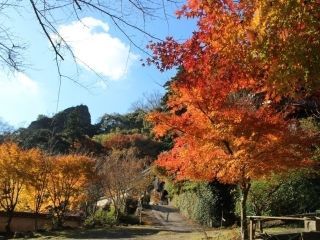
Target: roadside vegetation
{"x": 236, "y": 133}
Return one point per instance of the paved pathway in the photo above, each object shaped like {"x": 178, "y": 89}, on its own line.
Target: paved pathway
{"x": 161, "y": 222}
{"x": 168, "y": 218}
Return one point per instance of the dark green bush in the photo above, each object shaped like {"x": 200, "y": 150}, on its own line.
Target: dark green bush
{"x": 131, "y": 205}
{"x": 129, "y": 219}
{"x": 294, "y": 193}
{"x": 205, "y": 203}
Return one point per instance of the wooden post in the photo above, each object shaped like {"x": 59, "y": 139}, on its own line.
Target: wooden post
{"x": 251, "y": 229}
{"x": 259, "y": 226}
{"x": 139, "y": 209}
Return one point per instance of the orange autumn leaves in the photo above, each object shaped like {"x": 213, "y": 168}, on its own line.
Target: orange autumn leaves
{"x": 225, "y": 103}
{"x": 231, "y": 144}
{"x": 31, "y": 180}
{"x": 269, "y": 45}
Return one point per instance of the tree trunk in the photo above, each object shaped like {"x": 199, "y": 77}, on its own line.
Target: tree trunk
{"x": 245, "y": 187}
{"x": 60, "y": 221}
{"x": 57, "y": 220}
{"x": 8, "y": 224}
{"x": 36, "y": 227}
{"x": 116, "y": 213}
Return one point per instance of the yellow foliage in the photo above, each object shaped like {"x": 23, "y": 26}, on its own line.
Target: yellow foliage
{"x": 31, "y": 180}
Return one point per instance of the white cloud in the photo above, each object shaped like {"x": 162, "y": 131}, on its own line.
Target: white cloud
{"x": 95, "y": 48}
{"x": 21, "y": 99}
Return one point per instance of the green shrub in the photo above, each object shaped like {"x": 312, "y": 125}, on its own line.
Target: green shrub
{"x": 293, "y": 193}
{"x": 205, "y": 203}
{"x": 299, "y": 194}
{"x": 101, "y": 218}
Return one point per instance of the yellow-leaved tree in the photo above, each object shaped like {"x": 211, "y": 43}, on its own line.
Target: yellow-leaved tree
{"x": 68, "y": 177}
{"x": 36, "y": 189}
{"x": 14, "y": 176}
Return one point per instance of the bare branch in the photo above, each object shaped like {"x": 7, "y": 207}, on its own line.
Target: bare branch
{"x": 36, "y": 11}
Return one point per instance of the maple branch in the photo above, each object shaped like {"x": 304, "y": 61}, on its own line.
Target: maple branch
{"x": 225, "y": 142}
{"x": 227, "y": 145}
{"x": 202, "y": 110}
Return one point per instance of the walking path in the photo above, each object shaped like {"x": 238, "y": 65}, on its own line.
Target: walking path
{"x": 160, "y": 222}
{"x": 168, "y": 218}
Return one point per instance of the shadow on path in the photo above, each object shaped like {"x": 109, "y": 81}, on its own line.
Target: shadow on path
{"x": 164, "y": 209}
{"x": 168, "y": 218}
{"x": 107, "y": 233}
{"x": 157, "y": 218}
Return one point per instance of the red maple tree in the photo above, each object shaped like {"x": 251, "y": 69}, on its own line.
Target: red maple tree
{"x": 224, "y": 104}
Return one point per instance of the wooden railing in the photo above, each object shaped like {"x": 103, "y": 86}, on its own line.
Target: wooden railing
{"x": 311, "y": 222}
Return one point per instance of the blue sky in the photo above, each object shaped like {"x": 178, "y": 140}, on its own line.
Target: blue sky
{"x": 98, "y": 43}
